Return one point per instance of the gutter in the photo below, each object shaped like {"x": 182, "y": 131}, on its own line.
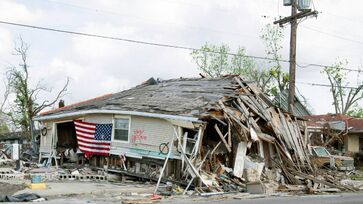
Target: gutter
{"x": 135, "y": 113}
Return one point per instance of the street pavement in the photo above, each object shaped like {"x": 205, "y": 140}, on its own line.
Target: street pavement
{"x": 348, "y": 198}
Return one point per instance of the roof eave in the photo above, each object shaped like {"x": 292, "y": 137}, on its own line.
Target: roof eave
{"x": 135, "y": 113}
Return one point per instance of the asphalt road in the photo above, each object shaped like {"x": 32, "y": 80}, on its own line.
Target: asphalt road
{"x": 349, "y": 198}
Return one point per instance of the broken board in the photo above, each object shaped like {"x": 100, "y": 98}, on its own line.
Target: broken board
{"x": 240, "y": 159}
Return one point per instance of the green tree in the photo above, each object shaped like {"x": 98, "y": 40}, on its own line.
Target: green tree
{"x": 216, "y": 61}
{"x": 212, "y": 60}
{"x": 345, "y": 99}
{"x": 26, "y": 104}
{"x": 272, "y": 37}
{"x": 3, "y": 128}
{"x": 356, "y": 112}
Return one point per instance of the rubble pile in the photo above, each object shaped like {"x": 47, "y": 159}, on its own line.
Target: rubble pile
{"x": 259, "y": 144}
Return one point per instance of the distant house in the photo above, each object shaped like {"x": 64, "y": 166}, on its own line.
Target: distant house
{"x": 347, "y": 129}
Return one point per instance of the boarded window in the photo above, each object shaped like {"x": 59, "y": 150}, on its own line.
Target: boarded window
{"x": 121, "y": 129}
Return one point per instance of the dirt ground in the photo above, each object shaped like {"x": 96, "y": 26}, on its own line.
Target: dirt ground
{"x": 10, "y": 189}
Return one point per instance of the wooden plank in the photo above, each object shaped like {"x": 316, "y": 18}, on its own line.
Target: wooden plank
{"x": 266, "y": 137}
{"x": 243, "y": 107}
{"x": 246, "y": 100}
{"x": 254, "y": 124}
{"x": 222, "y": 138}
{"x": 240, "y": 159}
{"x": 316, "y": 180}
{"x": 259, "y": 93}
{"x": 241, "y": 132}
{"x": 185, "y": 140}
{"x": 216, "y": 147}
{"x": 192, "y": 170}
{"x": 220, "y": 121}
{"x": 229, "y": 135}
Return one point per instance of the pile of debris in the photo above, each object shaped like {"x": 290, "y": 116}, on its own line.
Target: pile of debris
{"x": 255, "y": 145}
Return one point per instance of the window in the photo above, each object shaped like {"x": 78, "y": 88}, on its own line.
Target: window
{"x": 121, "y": 130}
{"x": 321, "y": 151}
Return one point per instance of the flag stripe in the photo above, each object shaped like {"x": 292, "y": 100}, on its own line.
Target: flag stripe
{"x": 98, "y": 146}
{"x": 84, "y": 123}
{"x": 84, "y": 130}
{"x": 89, "y": 136}
{"x": 93, "y": 138}
{"x": 93, "y": 150}
{"x": 93, "y": 142}
{"x": 98, "y": 153}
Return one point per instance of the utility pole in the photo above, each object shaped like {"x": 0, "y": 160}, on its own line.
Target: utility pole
{"x": 292, "y": 70}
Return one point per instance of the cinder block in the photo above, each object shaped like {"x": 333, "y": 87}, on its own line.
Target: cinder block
{"x": 82, "y": 177}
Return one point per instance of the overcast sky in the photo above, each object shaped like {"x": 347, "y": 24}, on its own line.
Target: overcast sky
{"x": 99, "y": 66}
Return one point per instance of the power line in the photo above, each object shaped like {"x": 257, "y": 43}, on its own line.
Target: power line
{"x": 163, "y": 44}
{"x": 333, "y": 35}
{"x": 344, "y": 17}
{"x": 131, "y": 40}
{"x": 157, "y": 22}
{"x": 327, "y": 85}
{"x": 324, "y": 66}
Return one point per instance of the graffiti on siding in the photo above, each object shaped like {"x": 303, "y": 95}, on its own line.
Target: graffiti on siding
{"x": 138, "y": 136}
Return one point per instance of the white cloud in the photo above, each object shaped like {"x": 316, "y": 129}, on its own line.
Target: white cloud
{"x": 98, "y": 50}
{"x": 97, "y": 66}
{"x": 7, "y": 44}
{"x": 10, "y": 10}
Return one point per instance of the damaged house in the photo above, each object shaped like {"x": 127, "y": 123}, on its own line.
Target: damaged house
{"x": 218, "y": 132}
{"x": 340, "y": 133}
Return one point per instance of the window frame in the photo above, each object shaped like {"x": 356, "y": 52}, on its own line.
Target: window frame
{"x": 115, "y": 117}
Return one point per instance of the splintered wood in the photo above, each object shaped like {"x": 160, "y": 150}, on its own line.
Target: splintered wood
{"x": 251, "y": 118}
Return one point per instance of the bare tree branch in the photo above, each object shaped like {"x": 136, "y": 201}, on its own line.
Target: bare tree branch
{"x": 47, "y": 104}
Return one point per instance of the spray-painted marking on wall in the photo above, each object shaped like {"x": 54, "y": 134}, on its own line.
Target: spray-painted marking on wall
{"x": 137, "y": 136}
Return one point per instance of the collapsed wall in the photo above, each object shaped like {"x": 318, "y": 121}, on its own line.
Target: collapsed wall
{"x": 249, "y": 139}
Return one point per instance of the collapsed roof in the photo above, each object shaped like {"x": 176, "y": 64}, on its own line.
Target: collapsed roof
{"x": 184, "y": 97}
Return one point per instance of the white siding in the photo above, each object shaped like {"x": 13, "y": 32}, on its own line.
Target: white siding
{"x": 45, "y": 141}
{"x": 147, "y": 133}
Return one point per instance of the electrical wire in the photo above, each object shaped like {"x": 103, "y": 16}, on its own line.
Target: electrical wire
{"x": 173, "y": 24}
{"x": 131, "y": 40}
{"x": 327, "y": 85}
{"x": 333, "y": 35}
{"x": 162, "y": 44}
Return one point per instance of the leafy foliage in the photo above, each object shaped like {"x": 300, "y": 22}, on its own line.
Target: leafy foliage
{"x": 216, "y": 61}
{"x": 356, "y": 112}
{"x": 345, "y": 98}
{"x": 272, "y": 37}
{"x": 3, "y": 128}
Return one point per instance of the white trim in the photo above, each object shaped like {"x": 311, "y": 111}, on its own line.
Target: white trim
{"x": 113, "y": 128}
{"x": 153, "y": 115}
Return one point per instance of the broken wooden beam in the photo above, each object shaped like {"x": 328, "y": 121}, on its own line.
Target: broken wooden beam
{"x": 222, "y": 138}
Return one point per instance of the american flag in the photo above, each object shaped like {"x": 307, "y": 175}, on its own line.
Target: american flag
{"x": 92, "y": 138}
